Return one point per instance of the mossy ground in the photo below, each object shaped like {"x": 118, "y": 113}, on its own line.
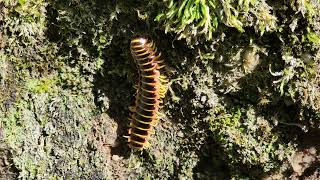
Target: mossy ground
{"x": 244, "y": 93}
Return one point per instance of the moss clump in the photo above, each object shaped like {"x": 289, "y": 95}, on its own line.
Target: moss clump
{"x": 23, "y": 35}
{"x": 44, "y": 85}
{"x": 52, "y": 141}
{"x": 247, "y": 138}
{"x": 47, "y": 141}
{"x": 193, "y": 18}
{"x": 295, "y": 76}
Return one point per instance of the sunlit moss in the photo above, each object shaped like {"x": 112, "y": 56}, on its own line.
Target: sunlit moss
{"x": 192, "y": 18}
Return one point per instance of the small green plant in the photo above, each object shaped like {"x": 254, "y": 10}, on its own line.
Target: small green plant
{"x": 191, "y": 18}
{"x": 195, "y": 16}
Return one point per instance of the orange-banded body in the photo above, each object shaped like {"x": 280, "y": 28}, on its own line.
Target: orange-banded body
{"x": 152, "y": 87}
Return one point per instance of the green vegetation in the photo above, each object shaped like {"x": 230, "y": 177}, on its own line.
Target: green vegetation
{"x": 249, "y": 139}
{"x": 244, "y": 88}
{"x": 193, "y": 18}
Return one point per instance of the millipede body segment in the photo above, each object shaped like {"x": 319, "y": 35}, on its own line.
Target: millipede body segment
{"x": 152, "y": 87}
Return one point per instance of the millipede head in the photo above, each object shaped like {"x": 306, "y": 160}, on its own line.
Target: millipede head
{"x": 142, "y": 36}
{"x": 140, "y": 40}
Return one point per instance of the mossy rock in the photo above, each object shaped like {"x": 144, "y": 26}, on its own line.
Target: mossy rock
{"x": 244, "y": 88}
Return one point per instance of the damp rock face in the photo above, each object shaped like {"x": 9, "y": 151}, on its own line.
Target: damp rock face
{"x": 244, "y": 89}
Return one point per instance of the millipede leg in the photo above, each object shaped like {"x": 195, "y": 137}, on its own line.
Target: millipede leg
{"x": 147, "y": 145}
{"x": 162, "y": 116}
{"x": 163, "y": 79}
{"x": 154, "y": 123}
{"x": 127, "y": 137}
{"x": 132, "y": 108}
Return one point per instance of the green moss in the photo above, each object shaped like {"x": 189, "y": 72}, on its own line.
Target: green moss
{"x": 313, "y": 38}
{"x": 247, "y": 138}
{"x": 38, "y": 135}
{"x": 47, "y": 85}
{"x": 181, "y": 15}
{"x": 192, "y": 18}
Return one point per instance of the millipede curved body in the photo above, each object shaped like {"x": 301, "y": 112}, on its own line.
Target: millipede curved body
{"x": 152, "y": 87}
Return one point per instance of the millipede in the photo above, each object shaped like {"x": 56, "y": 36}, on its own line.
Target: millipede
{"x": 151, "y": 89}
